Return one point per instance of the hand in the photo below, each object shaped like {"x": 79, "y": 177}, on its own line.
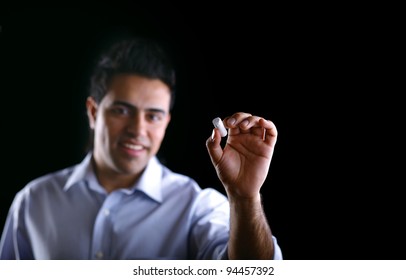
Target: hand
{"x": 243, "y": 165}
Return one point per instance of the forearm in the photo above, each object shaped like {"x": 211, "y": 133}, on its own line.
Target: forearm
{"x": 250, "y": 234}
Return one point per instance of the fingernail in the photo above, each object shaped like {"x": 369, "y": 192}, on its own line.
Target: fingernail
{"x": 245, "y": 122}
{"x": 212, "y": 135}
{"x": 231, "y": 121}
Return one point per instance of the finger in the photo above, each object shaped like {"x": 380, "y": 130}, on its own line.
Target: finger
{"x": 270, "y": 131}
{"x": 244, "y": 121}
{"x": 235, "y": 119}
{"x": 214, "y": 147}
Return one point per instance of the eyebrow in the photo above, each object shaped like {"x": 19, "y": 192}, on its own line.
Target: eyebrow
{"x": 129, "y": 105}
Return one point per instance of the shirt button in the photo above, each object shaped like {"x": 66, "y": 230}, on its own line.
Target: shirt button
{"x": 99, "y": 255}
{"x": 106, "y": 212}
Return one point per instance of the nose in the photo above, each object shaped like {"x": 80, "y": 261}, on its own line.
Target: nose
{"x": 137, "y": 124}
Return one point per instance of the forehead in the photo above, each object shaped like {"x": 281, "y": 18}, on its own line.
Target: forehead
{"x": 138, "y": 90}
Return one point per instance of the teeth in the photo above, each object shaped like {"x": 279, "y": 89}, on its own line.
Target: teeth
{"x": 133, "y": 147}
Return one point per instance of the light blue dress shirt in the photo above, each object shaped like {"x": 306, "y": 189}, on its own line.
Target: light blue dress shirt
{"x": 165, "y": 215}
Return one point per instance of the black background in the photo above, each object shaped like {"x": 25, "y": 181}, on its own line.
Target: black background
{"x": 323, "y": 74}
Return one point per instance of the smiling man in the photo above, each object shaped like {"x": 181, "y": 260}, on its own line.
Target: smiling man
{"x": 121, "y": 202}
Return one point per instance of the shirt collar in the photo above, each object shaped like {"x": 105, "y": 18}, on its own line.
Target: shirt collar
{"x": 149, "y": 183}
{"x": 80, "y": 172}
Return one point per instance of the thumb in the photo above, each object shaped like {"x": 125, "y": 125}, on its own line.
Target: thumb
{"x": 213, "y": 146}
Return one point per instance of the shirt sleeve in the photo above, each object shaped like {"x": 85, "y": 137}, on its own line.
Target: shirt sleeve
{"x": 210, "y": 226}
{"x": 6, "y": 243}
{"x": 277, "y": 251}
{"x": 14, "y": 244}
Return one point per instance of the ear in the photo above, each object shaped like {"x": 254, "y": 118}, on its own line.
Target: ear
{"x": 91, "y": 109}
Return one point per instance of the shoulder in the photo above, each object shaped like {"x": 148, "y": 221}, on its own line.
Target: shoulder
{"x": 46, "y": 183}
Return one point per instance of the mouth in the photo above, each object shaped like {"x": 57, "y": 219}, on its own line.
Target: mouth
{"x": 133, "y": 147}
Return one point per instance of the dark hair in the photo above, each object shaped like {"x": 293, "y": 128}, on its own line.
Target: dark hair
{"x": 142, "y": 56}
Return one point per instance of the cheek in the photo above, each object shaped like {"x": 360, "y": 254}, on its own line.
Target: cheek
{"x": 108, "y": 128}
{"x": 159, "y": 134}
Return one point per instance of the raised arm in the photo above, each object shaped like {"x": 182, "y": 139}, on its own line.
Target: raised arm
{"x": 242, "y": 167}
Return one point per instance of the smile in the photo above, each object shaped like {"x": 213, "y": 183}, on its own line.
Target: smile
{"x": 134, "y": 147}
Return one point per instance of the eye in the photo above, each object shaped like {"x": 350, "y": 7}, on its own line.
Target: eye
{"x": 120, "y": 111}
{"x": 155, "y": 116}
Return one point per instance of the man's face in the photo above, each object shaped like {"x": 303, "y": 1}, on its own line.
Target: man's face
{"x": 129, "y": 124}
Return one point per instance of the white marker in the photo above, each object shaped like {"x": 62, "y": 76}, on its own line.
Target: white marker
{"x": 218, "y": 123}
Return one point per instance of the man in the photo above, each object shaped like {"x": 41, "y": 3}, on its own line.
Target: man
{"x": 120, "y": 202}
